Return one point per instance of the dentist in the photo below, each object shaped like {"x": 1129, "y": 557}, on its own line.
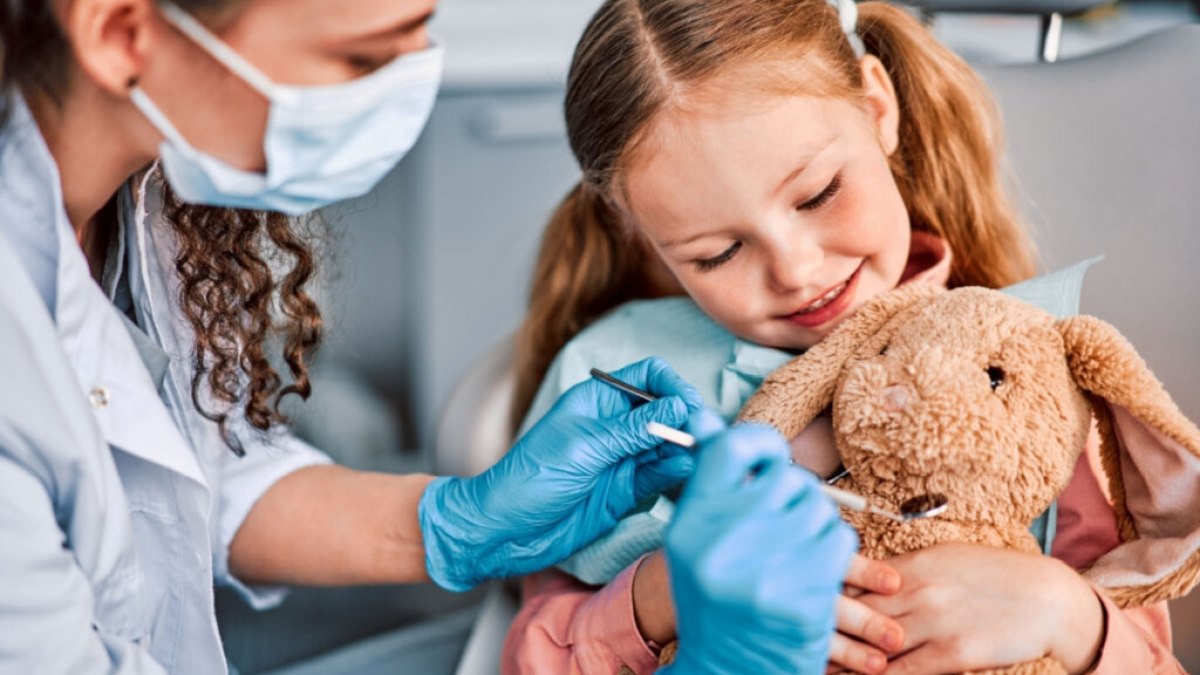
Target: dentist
{"x": 151, "y": 158}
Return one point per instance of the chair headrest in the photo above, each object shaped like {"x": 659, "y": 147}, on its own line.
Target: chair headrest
{"x": 1064, "y": 7}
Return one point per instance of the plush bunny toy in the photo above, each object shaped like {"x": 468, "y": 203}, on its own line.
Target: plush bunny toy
{"x": 989, "y": 400}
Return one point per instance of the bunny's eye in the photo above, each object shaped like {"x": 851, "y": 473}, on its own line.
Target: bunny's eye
{"x": 996, "y": 376}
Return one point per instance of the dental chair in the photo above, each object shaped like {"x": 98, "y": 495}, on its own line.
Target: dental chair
{"x": 474, "y": 431}
{"x": 1106, "y": 151}
{"x": 1050, "y": 13}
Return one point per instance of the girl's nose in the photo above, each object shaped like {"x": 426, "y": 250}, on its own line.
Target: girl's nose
{"x": 794, "y": 262}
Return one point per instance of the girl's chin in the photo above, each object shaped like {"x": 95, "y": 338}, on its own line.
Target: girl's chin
{"x": 791, "y": 342}
{"x": 796, "y": 339}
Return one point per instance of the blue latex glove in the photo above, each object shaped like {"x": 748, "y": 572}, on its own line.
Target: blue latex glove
{"x": 565, "y": 483}
{"x": 757, "y": 555}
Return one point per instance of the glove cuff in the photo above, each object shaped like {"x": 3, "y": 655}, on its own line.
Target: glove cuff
{"x": 444, "y": 561}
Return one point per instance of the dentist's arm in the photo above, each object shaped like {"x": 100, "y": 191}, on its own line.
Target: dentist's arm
{"x": 563, "y": 484}
{"x": 332, "y": 526}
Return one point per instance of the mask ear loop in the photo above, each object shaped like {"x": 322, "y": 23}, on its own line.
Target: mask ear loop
{"x": 209, "y": 42}
{"x": 848, "y": 18}
{"x": 158, "y": 119}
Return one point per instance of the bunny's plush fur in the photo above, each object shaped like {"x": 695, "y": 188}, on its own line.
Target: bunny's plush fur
{"x": 988, "y": 400}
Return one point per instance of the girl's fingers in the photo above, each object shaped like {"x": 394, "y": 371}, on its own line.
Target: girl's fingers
{"x": 852, "y": 655}
{"x": 874, "y": 576}
{"x": 927, "y": 659}
{"x": 896, "y": 605}
{"x": 871, "y": 627}
{"x": 917, "y": 626}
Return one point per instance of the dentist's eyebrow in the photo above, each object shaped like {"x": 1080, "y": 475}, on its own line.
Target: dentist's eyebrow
{"x": 406, "y": 26}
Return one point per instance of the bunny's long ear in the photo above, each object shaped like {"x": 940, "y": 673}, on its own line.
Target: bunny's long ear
{"x": 796, "y": 392}
{"x": 1151, "y": 456}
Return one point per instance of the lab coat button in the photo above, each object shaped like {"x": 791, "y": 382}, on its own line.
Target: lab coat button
{"x": 98, "y": 397}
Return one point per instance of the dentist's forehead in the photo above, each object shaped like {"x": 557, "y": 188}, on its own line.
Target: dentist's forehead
{"x": 330, "y": 22}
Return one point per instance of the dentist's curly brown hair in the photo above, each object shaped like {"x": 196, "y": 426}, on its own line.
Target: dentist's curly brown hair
{"x": 243, "y": 275}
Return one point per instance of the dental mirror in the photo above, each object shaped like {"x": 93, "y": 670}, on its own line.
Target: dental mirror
{"x": 922, "y": 506}
{"x": 925, "y": 506}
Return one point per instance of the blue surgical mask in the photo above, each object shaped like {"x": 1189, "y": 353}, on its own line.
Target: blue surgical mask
{"x": 323, "y": 143}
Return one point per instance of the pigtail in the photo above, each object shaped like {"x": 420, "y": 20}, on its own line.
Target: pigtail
{"x": 947, "y": 164}
{"x": 589, "y": 263}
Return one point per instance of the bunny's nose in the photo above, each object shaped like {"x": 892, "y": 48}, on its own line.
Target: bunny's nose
{"x": 896, "y": 397}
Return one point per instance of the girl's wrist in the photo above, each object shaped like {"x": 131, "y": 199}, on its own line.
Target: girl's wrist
{"x": 653, "y": 610}
{"x": 1080, "y": 634}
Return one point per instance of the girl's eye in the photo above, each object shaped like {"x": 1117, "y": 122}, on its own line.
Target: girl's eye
{"x": 708, "y": 264}
{"x": 821, "y": 199}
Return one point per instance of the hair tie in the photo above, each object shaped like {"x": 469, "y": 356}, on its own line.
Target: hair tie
{"x": 848, "y": 17}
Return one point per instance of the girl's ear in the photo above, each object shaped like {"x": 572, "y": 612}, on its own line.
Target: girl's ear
{"x": 879, "y": 99}
{"x": 796, "y": 392}
{"x": 110, "y": 39}
{"x": 1150, "y": 454}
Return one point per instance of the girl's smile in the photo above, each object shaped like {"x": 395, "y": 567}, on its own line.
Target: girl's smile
{"x": 828, "y": 306}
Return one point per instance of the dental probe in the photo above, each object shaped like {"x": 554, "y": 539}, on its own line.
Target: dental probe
{"x": 623, "y": 386}
{"x": 924, "y": 506}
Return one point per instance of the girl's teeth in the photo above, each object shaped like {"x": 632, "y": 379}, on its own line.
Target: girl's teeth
{"x": 824, "y": 299}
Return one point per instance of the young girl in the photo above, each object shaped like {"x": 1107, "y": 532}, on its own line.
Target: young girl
{"x": 780, "y": 164}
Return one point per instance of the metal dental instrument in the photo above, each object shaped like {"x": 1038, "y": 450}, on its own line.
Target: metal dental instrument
{"x": 924, "y": 506}
{"x": 623, "y": 386}
{"x": 646, "y": 396}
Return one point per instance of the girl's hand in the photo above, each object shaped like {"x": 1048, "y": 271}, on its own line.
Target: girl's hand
{"x": 969, "y": 607}
{"x": 864, "y": 639}
{"x": 865, "y": 636}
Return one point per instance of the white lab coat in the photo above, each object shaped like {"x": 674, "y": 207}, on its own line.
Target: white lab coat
{"x": 118, "y": 500}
